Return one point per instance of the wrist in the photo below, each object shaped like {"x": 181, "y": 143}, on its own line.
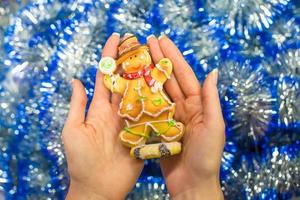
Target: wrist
{"x": 78, "y": 191}
{"x": 209, "y": 189}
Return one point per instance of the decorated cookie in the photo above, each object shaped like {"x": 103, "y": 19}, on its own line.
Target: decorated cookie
{"x": 145, "y": 107}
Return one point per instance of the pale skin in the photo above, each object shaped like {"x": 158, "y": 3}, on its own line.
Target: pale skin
{"x": 101, "y": 168}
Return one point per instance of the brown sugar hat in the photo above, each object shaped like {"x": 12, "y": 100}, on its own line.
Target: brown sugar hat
{"x": 129, "y": 46}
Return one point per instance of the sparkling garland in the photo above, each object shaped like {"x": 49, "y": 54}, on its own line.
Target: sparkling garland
{"x": 255, "y": 45}
{"x": 274, "y": 174}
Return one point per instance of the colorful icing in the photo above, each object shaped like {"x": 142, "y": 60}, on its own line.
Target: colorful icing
{"x": 145, "y": 107}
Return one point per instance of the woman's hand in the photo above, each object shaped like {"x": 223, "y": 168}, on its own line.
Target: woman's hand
{"x": 99, "y": 166}
{"x": 193, "y": 174}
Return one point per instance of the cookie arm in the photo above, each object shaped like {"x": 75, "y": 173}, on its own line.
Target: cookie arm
{"x": 115, "y": 83}
{"x": 162, "y": 70}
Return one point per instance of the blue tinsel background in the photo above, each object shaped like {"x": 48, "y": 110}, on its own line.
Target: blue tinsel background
{"x": 255, "y": 44}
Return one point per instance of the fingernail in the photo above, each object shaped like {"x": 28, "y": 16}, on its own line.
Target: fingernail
{"x": 128, "y": 34}
{"x": 116, "y": 34}
{"x": 215, "y": 76}
{"x": 162, "y": 36}
{"x": 150, "y": 36}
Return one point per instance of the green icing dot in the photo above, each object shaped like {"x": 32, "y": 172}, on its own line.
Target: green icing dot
{"x": 142, "y": 98}
{"x": 172, "y": 122}
{"x": 157, "y": 102}
{"x": 156, "y": 133}
{"x": 107, "y": 65}
{"x": 126, "y": 129}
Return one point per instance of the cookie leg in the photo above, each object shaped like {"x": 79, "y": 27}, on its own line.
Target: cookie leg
{"x": 169, "y": 131}
{"x": 157, "y": 150}
{"x": 134, "y": 136}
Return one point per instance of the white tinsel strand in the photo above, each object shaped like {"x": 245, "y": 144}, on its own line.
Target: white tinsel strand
{"x": 285, "y": 62}
{"x": 205, "y": 42}
{"x": 6, "y": 159}
{"x": 288, "y": 90}
{"x": 245, "y": 18}
{"x": 37, "y": 144}
{"x": 21, "y": 60}
{"x": 275, "y": 175}
{"x": 252, "y": 48}
{"x": 284, "y": 33}
{"x": 83, "y": 50}
{"x": 248, "y": 102}
{"x": 132, "y": 17}
{"x": 52, "y": 97}
{"x": 7, "y": 11}
{"x": 200, "y": 43}
{"x": 24, "y": 27}
{"x": 50, "y": 142}
{"x": 176, "y": 16}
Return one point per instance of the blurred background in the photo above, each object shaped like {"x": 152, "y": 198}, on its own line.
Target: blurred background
{"x": 255, "y": 44}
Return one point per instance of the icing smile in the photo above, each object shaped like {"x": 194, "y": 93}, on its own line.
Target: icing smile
{"x": 137, "y": 66}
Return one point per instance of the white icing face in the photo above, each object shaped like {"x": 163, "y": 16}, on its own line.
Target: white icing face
{"x": 136, "y": 62}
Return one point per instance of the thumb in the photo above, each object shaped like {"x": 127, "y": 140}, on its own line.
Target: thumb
{"x": 211, "y": 104}
{"x": 78, "y": 103}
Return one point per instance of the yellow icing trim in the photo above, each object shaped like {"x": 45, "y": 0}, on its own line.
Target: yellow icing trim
{"x": 121, "y": 103}
{"x": 147, "y": 123}
{"x": 143, "y": 110}
{"x": 131, "y": 142}
{"x": 171, "y": 138}
{"x": 171, "y": 123}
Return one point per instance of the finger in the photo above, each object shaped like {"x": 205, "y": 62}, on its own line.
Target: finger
{"x": 171, "y": 86}
{"x": 111, "y": 46}
{"x": 78, "y": 103}
{"x": 154, "y": 47}
{"x": 100, "y": 102}
{"x": 173, "y": 89}
{"x": 184, "y": 74}
{"x": 110, "y": 49}
{"x": 211, "y": 104}
{"x": 115, "y": 100}
{"x": 101, "y": 93}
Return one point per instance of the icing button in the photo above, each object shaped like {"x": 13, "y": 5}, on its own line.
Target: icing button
{"x": 107, "y": 65}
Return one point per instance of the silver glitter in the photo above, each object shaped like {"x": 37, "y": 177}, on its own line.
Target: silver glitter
{"x": 276, "y": 173}
{"x": 249, "y": 99}
{"x": 132, "y": 17}
{"x": 242, "y": 17}
{"x": 176, "y": 14}
{"x": 289, "y": 101}
{"x": 204, "y": 45}
{"x": 83, "y": 51}
{"x": 285, "y": 31}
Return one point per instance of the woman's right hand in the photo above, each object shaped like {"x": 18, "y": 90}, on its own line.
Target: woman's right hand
{"x": 193, "y": 174}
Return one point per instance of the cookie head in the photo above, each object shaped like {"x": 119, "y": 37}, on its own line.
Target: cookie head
{"x": 133, "y": 56}
{"x": 136, "y": 62}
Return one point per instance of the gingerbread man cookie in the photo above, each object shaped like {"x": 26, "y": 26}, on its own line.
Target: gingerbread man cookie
{"x": 147, "y": 110}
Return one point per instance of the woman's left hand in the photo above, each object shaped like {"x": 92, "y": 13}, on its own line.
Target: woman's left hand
{"x": 99, "y": 166}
